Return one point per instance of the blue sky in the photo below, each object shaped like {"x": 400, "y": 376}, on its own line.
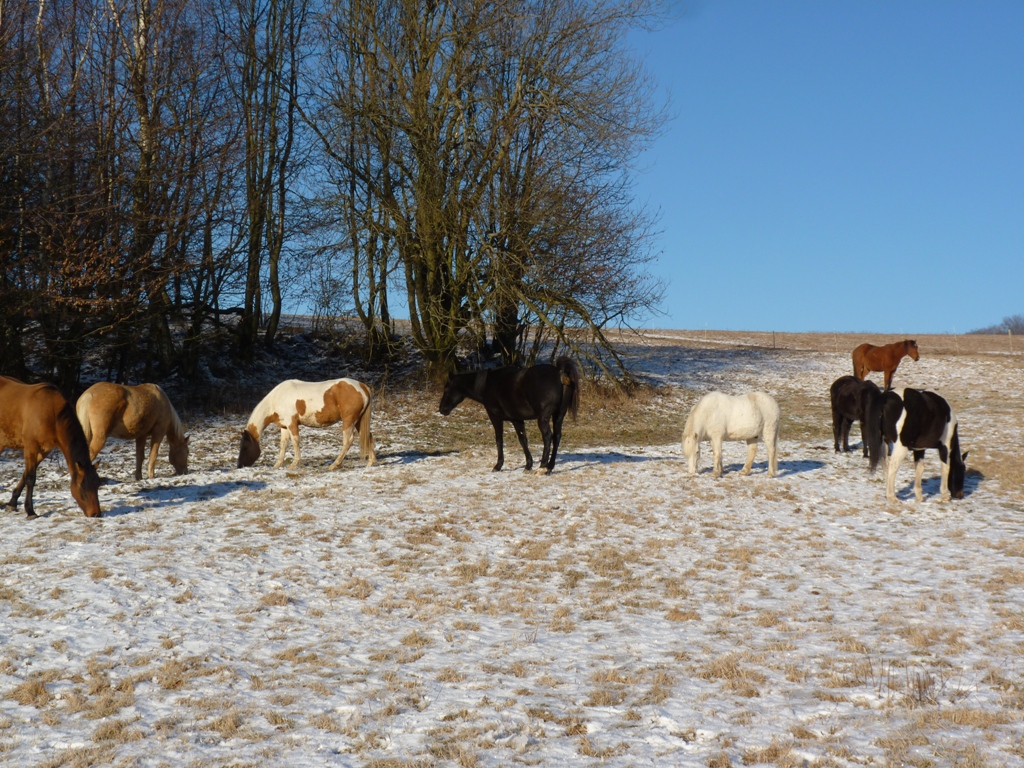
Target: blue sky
{"x": 839, "y": 165}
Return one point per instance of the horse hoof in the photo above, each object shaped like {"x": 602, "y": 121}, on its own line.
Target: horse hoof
{"x": 10, "y": 508}
{"x": 31, "y": 515}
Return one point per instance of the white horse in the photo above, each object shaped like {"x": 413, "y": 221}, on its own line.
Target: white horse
{"x": 312, "y": 404}
{"x": 723, "y": 417}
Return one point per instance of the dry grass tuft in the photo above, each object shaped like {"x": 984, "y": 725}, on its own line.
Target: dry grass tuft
{"x": 275, "y": 598}
{"x": 776, "y": 753}
{"x": 117, "y": 731}
{"x": 31, "y": 693}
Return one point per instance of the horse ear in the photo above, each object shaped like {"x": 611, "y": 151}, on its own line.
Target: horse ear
{"x": 964, "y": 456}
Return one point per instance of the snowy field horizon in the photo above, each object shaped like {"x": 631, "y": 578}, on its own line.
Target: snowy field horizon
{"x": 429, "y": 612}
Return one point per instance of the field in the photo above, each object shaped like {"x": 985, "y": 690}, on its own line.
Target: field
{"x": 428, "y": 612}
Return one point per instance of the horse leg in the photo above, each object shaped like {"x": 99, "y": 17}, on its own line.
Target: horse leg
{"x": 154, "y": 449}
{"x": 545, "y": 433}
{"x": 293, "y": 433}
{"x": 918, "y": 474}
{"x": 771, "y": 445}
{"x": 944, "y": 474}
{"x": 30, "y": 510}
{"x": 499, "y": 440}
{"x": 346, "y": 443}
{"x": 863, "y": 439}
{"x": 751, "y": 451}
{"x": 96, "y": 442}
{"x": 896, "y": 456}
{"x": 716, "y": 449}
{"x": 140, "y": 452}
{"x": 888, "y": 377}
{"x": 837, "y": 428}
{"x": 27, "y": 482}
{"x": 556, "y": 439}
{"x": 12, "y": 505}
{"x": 283, "y": 448}
{"x": 520, "y": 429}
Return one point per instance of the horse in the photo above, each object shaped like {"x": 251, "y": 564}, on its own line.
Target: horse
{"x": 139, "y": 413}
{"x": 311, "y": 404}
{"x": 868, "y": 357}
{"x": 849, "y": 396}
{"x": 543, "y": 392}
{"x": 35, "y": 419}
{"x": 916, "y": 420}
{"x": 719, "y": 417}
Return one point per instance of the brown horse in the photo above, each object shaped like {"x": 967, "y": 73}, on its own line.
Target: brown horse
{"x": 35, "y": 419}
{"x": 868, "y": 357}
{"x": 138, "y": 413}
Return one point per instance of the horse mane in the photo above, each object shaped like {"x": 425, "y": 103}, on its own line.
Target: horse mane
{"x": 68, "y": 424}
{"x": 176, "y": 431}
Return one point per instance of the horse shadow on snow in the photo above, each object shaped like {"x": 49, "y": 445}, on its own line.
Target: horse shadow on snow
{"x": 930, "y": 486}
{"x": 786, "y": 468}
{"x": 161, "y": 496}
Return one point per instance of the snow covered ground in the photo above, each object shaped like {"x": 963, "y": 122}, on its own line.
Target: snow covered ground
{"x": 429, "y": 612}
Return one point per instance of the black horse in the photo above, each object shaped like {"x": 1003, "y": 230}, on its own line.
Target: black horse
{"x": 543, "y": 392}
{"x": 913, "y": 420}
{"x": 850, "y": 397}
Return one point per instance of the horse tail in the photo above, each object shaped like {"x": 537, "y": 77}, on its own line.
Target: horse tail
{"x": 365, "y": 436}
{"x": 873, "y": 427}
{"x": 570, "y": 378}
{"x": 82, "y": 413}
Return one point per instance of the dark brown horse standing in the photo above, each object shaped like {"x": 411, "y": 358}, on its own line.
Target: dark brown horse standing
{"x": 35, "y": 419}
{"x": 543, "y": 392}
{"x": 850, "y": 397}
{"x": 868, "y": 357}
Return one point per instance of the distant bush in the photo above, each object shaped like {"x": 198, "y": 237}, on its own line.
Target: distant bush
{"x": 1014, "y": 324}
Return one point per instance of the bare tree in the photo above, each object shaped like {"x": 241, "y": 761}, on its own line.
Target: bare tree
{"x": 490, "y": 143}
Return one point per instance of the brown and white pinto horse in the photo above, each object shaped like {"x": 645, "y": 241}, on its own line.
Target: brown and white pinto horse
{"x": 868, "y": 357}
{"x": 137, "y": 413}
{"x": 35, "y": 419}
{"x": 312, "y": 404}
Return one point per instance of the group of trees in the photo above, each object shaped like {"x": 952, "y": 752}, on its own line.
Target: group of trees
{"x": 173, "y": 171}
{"x": 1013, "y": 323}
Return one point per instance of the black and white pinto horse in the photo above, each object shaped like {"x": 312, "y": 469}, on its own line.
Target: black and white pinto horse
{"x": 543, "y": 392}
{"x": 914, "y": 420}
{"x": 850, "y": 397}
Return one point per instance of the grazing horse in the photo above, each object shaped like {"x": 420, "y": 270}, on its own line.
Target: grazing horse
{"x": 915, "y": 420}
{"x": 850, "y": 396}
{"x": 35, "y": 419}
{"x": 311, "y": 404}
{"x": 868, "y": 357}
{"x": 543, "y": 392}
{"x": 723, "y": 417}
{"x": 138, "y": 413}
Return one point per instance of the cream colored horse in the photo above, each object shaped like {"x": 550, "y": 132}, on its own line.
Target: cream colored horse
{"x": 138, "y": 413}
{"x": 718, "y": 417}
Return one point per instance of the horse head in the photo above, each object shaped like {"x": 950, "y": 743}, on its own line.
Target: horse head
{"x": 453, "y": 394}
{"x": 910, "y": 345}
{"x": 179, "y": 456}
{"x": 691, "y": 450}
{"x": 957, "y": 473}
{"x": 249, "y": 451}
{"x": 85, "y": 485}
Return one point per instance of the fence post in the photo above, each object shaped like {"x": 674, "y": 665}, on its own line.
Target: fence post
{"x": 1009, "y": 333}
